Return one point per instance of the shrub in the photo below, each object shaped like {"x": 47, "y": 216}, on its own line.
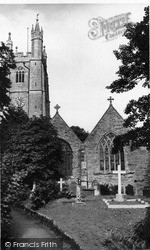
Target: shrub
{"x": 107, "y": 189}
{"x": 113, "y": 189}
{"x": 116, "y": 241}
{"x": 142, "y": 230}
{"x": 140, "y": 240}
{"x": 104, "y": 189}
{"x": 65, "y": 193}
{"x": 45, "y": 191}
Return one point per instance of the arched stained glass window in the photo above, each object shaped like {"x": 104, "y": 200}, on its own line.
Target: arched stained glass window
{"x": 108, "y": 161}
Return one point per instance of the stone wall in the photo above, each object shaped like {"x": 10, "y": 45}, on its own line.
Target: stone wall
{"x": 65, "y": 133}
{"x": 110, "y": 122}
{"x": 137, "y": 163}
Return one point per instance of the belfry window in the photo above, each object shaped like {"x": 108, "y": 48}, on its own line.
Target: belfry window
{"x": 109, "y": 161}
{"x": 20, "y": 76}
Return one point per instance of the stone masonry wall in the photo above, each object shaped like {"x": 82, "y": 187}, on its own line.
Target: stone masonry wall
{"x": 110, "y": 122}
{"x": 66, "y": 133}
{"x": 137, "y": 163}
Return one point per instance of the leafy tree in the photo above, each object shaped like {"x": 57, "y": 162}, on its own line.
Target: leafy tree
{"x": 35, "y": 152}
{"x": 11, "y": 181}
{"x": 14, "y": 117}
{"x": 7, "y": 62}
{"x": 135, "y": 70}
{"x": 80, "y": 132}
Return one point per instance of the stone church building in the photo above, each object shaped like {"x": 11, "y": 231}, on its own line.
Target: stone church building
{"x": 92, "y": 161}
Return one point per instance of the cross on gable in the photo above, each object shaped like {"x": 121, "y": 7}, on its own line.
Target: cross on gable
{"x": 110, "y": 99}
{"x": 57, "y": 107}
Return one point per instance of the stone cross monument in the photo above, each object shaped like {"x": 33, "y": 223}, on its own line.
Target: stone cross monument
{"x": 119, "y": 196}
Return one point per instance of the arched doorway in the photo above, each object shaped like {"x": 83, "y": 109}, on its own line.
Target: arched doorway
{"x": 67, "y": 157}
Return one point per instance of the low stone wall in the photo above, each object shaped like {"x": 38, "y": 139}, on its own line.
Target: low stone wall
{"x": 53, "y": 225}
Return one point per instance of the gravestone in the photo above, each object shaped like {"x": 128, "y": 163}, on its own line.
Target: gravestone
{"x": 129, "y": 189}
{"x": 83, "y": 174}
{"x": 61, "y": 182}
{"x": 96, "y": 189}
{"x": 73, "y": 188}
{"x": 78, "y": 194}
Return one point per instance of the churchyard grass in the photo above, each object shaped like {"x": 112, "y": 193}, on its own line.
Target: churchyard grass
{"x": 91, "y": 224}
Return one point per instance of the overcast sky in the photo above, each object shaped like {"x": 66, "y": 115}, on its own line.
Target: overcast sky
{"x": 79, "y": 68}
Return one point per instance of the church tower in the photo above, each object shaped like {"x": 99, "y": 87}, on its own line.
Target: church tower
{"x": 38, "y": 74}
{"x": 30, "y": 88}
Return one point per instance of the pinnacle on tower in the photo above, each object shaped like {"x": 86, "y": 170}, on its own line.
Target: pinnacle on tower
{"x": 37, "y": 27}
{"x": 44, "y": 51}
{"x": 37, "y": 31}
{"x": 36, "y": 40}
{"x": 9, "y": 36}
{"x": 32, "y": 30}
{"x": 9, "y": 42}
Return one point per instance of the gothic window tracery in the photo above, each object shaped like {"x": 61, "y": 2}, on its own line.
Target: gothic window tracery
{"x": 108, "y": 161}
{"x": 20, "y": 75}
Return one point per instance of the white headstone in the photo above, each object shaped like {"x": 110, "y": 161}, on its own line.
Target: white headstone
{"x": 61, "y": 182}
{"x": 96, "y": 190}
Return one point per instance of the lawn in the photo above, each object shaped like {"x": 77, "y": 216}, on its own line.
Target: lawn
{"x": 90, "y": 224}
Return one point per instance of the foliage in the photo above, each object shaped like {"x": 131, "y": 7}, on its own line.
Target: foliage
{"x": 139, "y": 240}
{"x": 142, "y": 230}
{"x": 34, "y": 147}
{"x": 107, "y": 189}
{"x": 14, "y": 117}
{"x": 135, "y": 70}
{"x": 31, "y": 153}
{"x": 117, "y": 241}
{"x": 134, "y": 56}
{"x": 6, "y": 63}
{"x": 36, "y": 151}
{"x": 80, "y": 132}
{"x": 12, "y": 186}
{"x": 65, "y": 193}
{"x": 45, "y": 191}
{"x": 134, "y": 138}
{"x": 104, "y": 189}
